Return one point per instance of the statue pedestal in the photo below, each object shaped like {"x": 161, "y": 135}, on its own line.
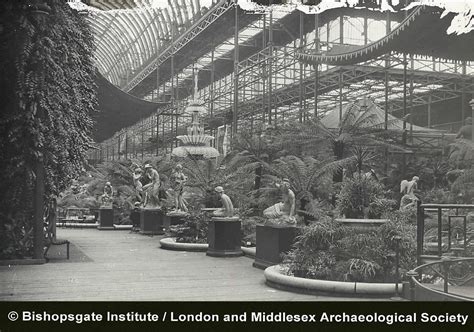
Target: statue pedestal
{"x": 106, "y": 218}
{"x": 223, "y": 237}
{"x": 135, "y": 218}
{"x": 174, "y": 218}
{"x": 151, "y": 221}
{"x": 272, "y": 241}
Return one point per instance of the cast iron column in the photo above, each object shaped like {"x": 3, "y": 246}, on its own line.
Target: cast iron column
{"x": 236, "y": 71}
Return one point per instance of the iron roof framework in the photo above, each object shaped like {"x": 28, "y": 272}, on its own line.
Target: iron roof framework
{"x": 271, "y": 82}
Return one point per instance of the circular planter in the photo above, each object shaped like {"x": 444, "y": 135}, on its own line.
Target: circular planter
{"x": 249, "y": 251}
{"x": 362, "y": 225}
{"x": 274, "y": 278}
{"x": 170, "y": 243}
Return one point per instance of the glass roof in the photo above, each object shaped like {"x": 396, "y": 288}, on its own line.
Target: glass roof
{"x": 128, "y": 33}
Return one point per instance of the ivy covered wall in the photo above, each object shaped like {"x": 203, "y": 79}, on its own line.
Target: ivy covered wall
{"x": 48, "y": 96}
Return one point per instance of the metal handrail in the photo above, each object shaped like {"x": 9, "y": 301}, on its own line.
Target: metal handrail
{"x": 420, "y": 220}
{"x": 445, "y": 263}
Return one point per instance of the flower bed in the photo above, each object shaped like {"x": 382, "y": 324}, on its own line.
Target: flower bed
{"x": 330, "y": 251}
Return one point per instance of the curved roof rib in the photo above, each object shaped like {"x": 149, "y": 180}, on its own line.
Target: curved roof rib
{"x": 129, "y": 33}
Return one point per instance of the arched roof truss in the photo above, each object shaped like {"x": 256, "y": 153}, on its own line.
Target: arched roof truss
{"x": 128, "y": 33}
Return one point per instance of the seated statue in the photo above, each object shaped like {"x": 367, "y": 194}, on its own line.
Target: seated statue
{"x": 407, "y": 188}
{"x": 284, "y": 211}
{"x": 106, "y": 198}
{"x": 228, "y": 208}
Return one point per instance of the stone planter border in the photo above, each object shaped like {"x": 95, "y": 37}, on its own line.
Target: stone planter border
{"x": 362, "y": 225}
{"x": 169, "y": 243}
{"x": 76, "y": 225}
{"x": 250, "y": 251}
{"x": 274, "y": 278}
{"x": 123, "y": 227}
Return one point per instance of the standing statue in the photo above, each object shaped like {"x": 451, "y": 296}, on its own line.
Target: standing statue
{"x": 284, "y": 211}
{"x": 407, "y": 188}
{"x": 106, "y": 198}
{"x": 178, "y": 180}
{"x": 137, "y": 176}
{"x": 227, "y": 209}
{"x": 152, "y": 189}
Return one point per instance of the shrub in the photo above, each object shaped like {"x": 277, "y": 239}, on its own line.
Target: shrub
{"x": 193, "y": 230}
{"x": 311, "y": 257}
{"x": 249, "y": 229}
{"x": 438, "y": 195}
{"x": 328, "y": 250}
{"x": 17, "y": 240}
{"x": 362, "y": 197}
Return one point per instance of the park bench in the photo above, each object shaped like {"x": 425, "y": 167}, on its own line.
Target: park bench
{"x": 50, "y": 229}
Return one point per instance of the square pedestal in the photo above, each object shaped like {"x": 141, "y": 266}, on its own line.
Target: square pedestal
{"x": 173, "y": 220}
{"x": 151, "y": 221}
{"x": 272, "y": 241}
{"x": 106, "y": 219}
{"x": 223, "y": 237}
{"x": 135, "y": 219}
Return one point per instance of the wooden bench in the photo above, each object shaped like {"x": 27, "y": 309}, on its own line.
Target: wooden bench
{"x": 50, "y": 229}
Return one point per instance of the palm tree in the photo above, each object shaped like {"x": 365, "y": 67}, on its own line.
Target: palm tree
{"x": 462, "y": 155}
{"x": 229, "y": 172}
{"x": 254, "y": 149}
{"x": 309, "y": 177}
{"x": 358, "y": 127}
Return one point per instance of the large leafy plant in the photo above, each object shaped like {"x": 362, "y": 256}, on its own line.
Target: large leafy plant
{"x": 329, "y": 251}
{"x": 359, "y": 126}
{"x": 193, "y": 230}
{"x": 230, "y": 173}
{"x": 362, "y": 197}
{"x": 310, "y": 178}
{"x": 462, "y": 155}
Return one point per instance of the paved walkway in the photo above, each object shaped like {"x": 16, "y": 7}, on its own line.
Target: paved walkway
{"x": 122, "y": 266}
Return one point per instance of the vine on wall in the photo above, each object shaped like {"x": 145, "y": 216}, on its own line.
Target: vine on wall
{"x": 47, "y": 77}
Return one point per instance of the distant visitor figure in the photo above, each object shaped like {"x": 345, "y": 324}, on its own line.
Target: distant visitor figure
{"x": 152, "y": 189}
{"x": 284, "y": 211}
{"x": 227, "y": 209}
{"x": 407, "y": 188}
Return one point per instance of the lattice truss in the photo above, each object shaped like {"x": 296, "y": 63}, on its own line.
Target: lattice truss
{"x": 273, "y": 85}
